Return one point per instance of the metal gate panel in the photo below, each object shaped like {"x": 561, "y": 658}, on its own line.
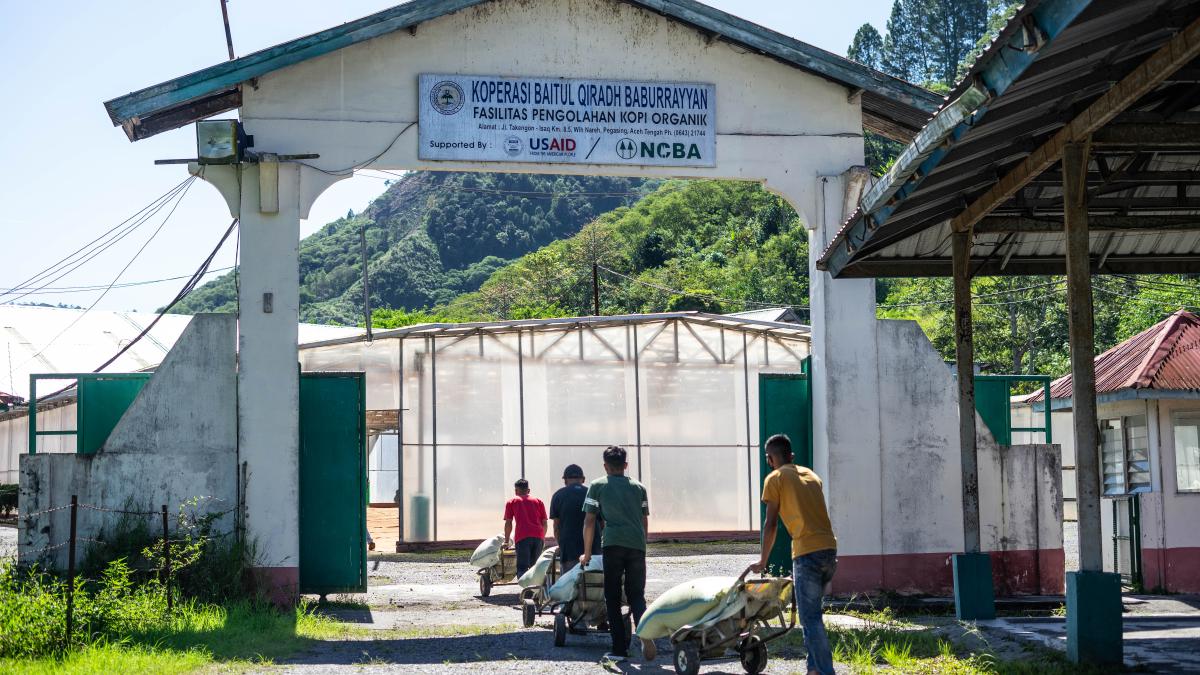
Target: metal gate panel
{"x": 101, "y": 403}
{"x": 333, "y": 483}
{"x": 784, "y": 407}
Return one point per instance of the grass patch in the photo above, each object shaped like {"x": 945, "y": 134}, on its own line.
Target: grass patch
{"x": 238, "y": 634}
{"x": 884, "y": 643}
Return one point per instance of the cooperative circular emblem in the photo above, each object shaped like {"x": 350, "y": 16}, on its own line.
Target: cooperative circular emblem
{"x": 626, "y": 148}
{"x": 512, "y": 145}
{"x": 447, "y": 97}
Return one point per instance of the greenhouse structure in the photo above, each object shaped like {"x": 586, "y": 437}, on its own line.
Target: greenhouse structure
{"x": 458, "y": 412}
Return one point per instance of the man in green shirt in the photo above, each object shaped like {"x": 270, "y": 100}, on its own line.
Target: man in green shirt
{"x": 621, "y": 502}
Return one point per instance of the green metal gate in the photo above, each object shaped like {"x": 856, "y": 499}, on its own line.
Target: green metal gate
{"x": 333, "y": 483}
{"x": 784, "y": 407}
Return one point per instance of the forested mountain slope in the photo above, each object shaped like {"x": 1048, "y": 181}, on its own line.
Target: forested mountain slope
{"x": 431, "y": 237}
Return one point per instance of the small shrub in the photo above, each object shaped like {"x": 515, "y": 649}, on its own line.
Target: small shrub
{"x": 8, "y": 498}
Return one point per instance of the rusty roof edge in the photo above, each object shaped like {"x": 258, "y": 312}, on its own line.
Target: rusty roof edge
{"x": 1000, "y": 65}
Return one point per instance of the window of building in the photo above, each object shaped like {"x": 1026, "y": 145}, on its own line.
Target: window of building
{"x": 1187, "y": 451}
{"x": 1125, "y": 455}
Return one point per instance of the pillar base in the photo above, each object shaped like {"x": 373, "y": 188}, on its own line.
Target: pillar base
{"x": 1094, "y": 618}
{"x": 974, "y": 598}
{"x": 278, "y": 585}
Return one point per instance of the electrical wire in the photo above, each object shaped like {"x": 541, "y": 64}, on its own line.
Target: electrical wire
{"x": 95, "y": 247}
{"x": 115, "y": 279}
{"x": 50, "y": 290}
{"x": 183, "y": 292}
{"x": 421, "y": 181}
{"x": 350, "y": 169}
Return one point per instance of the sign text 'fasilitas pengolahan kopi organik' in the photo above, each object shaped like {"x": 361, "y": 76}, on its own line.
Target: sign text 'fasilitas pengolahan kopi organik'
{"x": 549, "y": 120}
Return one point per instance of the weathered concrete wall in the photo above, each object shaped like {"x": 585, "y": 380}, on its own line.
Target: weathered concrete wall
{"x": 917, "y": 487}
{"x": 178, "y": 440}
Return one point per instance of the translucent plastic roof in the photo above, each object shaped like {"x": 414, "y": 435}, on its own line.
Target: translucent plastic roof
{"x": 53, "y": 340}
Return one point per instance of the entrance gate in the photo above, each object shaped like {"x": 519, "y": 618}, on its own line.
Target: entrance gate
{"x": 784, "y": 407}
{"x": 333, "y": 483}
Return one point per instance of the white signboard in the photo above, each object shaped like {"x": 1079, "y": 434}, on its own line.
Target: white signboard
{"x": 559, "y": 121}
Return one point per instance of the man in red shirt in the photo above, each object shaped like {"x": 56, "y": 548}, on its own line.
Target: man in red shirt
{"x": 530, "y": 514}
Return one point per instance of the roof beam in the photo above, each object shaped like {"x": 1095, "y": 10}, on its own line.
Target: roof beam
{"x": 1176, "y": 53}
{"x": 1164, "y": 135}
{"x": 1026, "y": 224}
{"x": 1019, "y": 266}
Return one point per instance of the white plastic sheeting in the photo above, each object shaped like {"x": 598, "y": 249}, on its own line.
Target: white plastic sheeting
{"x": 481, "y": 409}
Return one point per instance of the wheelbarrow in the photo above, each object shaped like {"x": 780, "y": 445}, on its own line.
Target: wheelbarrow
{"x": 586, "y": 613}
{"x": 754, "y": 613}
{"x": 535, "y": 600}
{"x": 500, "y": 574}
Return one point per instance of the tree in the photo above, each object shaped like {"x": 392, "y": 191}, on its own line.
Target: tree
{"x": 867, "y": 47}
{"x": 951, "y": 28}
{"x": 905, "y": 52}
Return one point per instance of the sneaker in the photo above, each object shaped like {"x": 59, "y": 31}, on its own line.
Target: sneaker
{"x": 614, "y": 658}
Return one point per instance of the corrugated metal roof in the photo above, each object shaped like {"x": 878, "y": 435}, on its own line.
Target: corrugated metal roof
{"x": 1165, "y": 356}
{"x": 1053, "y": 60}
{"x": 54, "y": 340}
{"x": 891, "y": 106}
{"x": 777, "y": 314}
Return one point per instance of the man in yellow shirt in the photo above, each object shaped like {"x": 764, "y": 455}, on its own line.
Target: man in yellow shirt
{"x": 794, "y": 494}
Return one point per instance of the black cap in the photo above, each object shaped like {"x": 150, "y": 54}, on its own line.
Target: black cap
{"x": 573, "y": 471}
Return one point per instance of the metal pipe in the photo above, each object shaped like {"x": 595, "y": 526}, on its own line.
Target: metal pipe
{"x": 362, "y": 243}
{"x": 228, "y": 34}
{"x": 71, "y": 570}
{"x": 433, "y": 413}
{"x": 400, "y": 448}
{"x": 964, "y": 349}
{"x": 749, "y": 451}
{"x": 521, "y": 396}
{"x": 637, "y": 399}
{"x": 1083, "y": 368}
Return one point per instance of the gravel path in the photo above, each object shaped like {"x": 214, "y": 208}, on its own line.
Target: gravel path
{"x": 426, "y": 617}
{"x": 8, "y": 542}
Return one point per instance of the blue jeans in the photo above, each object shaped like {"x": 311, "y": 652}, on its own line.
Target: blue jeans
{"x": 810, "y": 573}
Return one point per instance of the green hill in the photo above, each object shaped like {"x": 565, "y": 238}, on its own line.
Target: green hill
{"x": 432, "y": 236}
{"x": 719, "y": 246}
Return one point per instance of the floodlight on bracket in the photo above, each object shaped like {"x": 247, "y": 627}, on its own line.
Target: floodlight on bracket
{"x": 225, "y": 141}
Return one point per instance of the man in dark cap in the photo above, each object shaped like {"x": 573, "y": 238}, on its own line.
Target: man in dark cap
{"x": 566, "y": 510}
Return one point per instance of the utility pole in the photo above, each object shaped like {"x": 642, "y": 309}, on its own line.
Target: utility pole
{"x": 595, "y": 289}
{"x": 362, "y": 242}
{"x": 228, "y": 35}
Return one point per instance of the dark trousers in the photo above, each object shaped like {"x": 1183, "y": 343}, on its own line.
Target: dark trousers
{"x": 528, "y": 550}
{"x": 624, "y": 570}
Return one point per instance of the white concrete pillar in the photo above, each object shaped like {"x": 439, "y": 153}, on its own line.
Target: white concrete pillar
{"x": 268, "y": 381}
{"x": 846, "y": 426}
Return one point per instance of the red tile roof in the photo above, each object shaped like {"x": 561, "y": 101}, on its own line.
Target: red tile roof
{"x": 1164, "y": 356}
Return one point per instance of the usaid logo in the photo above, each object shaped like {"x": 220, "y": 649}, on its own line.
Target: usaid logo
{"x": 447, "y": 97}
{"x": 552, "y": 144}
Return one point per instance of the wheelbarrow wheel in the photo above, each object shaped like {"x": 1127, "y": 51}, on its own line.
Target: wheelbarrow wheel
{"x": 528, "y": 611}
{"x": 753, "y": 653}
{"x": 485, "y": 584}
{"x": 560, "y": 630}
{"x": 687, "y": 658}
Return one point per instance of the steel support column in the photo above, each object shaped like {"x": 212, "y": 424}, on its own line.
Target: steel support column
{"x": 1093, "y": 597}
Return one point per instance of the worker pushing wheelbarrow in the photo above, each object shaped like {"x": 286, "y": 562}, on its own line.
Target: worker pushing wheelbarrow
{"x": 577, "y": 602}
{"x": 753, "y": 613}
{"x": 535, "y": 586}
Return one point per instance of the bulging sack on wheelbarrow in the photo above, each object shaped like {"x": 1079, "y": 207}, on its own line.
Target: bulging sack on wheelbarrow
{"x": 565, "y": 588}
{"x": 536, "y": 575}
{"x": 682, "y": 605}
{"x": 487, "y": 554}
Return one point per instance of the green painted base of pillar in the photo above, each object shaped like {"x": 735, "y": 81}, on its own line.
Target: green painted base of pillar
{"x": 974, "y": 598}
{"x": 1094, "y": 618}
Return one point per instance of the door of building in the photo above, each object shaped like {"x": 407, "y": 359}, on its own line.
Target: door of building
{"x": 333, "y": 483}
{"x": 784, "y": 407}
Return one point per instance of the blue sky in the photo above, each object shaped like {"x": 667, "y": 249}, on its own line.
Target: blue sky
{"x": 68, "y": 175}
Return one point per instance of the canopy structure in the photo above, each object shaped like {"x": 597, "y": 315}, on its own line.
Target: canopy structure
{"x": 1120, "y": 75}
{"x": 891, "y": 107}
{"x": 457, "y": 412}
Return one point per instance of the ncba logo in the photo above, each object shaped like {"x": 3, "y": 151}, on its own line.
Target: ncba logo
{"x": 626, "y": 149}
{"x": 552, "y": 144}
{"x": 629, "y": 149}
{"x": 447, "y": 97}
